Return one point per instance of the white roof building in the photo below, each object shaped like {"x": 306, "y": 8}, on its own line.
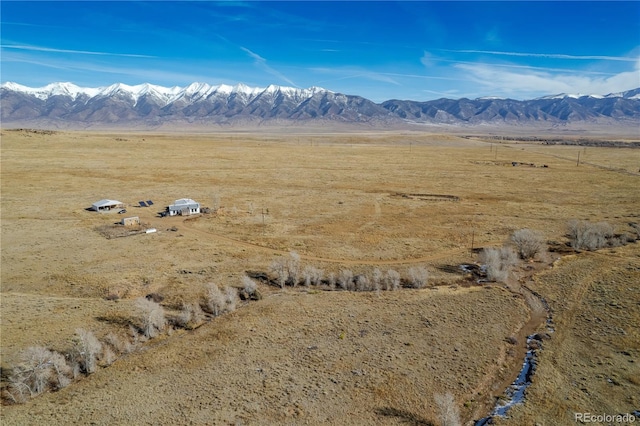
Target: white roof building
{"x": 106, "y": 205}
{"x": 184, "y": 207}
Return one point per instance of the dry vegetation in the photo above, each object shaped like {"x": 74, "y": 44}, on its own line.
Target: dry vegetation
{"x": 314, "y": 212}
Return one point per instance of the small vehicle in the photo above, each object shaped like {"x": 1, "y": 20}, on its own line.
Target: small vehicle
{"x": 122, "y": 211}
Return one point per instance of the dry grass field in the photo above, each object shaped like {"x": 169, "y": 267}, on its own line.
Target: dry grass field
{"x": 340, "y": 200}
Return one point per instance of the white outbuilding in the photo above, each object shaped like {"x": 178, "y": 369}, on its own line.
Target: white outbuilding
{"x": 183, "y": 207}
{"x": 106, "y": 205}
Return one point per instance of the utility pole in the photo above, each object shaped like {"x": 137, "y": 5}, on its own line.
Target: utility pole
{"x": 578, "y": 163}
{"x": 473, "y": 234}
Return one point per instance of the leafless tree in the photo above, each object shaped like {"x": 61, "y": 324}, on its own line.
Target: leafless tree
{"x": 362, "y": 283}
{"x": 230, "y": 299}
{"x": 39, "y": 370}
{"x": 376, "y": 279}
{"x": 86, "y": 350}
{"x": 61, "y": 370}
{"x": 345, "y": 279}
{"x": 215, "y": 300}
{"x": 418, "y": 276}
{"x": 312, "y": 275}
{"x": 118, "y": 343}
{"x": 528, "y": 243}
{"x": 293, "y": 268}
{"x": 280, "y": 269}
{"x": 152, "y": 317}
{"x": 498, "y": 262}
{"x": 249, "y": 285}
{"x": 585, "y": 235}
{"x": 332, "y": 281}
{"x": 392, "y": 280}
{"x": 190, "y": 316}
{"x": 107, "y": 356}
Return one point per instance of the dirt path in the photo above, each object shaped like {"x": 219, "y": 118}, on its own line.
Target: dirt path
{"x": 188, "y": 224}
{"x": 497, "y": 382}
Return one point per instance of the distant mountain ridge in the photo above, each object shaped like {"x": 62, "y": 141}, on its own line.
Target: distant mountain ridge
{"x": 147, "y": 105}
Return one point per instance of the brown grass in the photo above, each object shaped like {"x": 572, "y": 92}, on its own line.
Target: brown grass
{"x": 332, "y": 198}
{"x": 591, "y": 362}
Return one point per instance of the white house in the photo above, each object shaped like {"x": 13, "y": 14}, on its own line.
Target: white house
{"x": 106, "y": 205}
{"x": 183, "y": 207}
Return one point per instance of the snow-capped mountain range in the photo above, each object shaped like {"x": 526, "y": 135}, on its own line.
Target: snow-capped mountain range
{"x": 148, "y": 105}
{"x": 167, "y": 95}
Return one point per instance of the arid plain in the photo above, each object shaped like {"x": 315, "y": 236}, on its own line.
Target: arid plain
{"x": 387, "y": 200}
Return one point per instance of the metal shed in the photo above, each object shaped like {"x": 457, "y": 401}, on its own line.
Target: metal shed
{"x": 106, "y": 205}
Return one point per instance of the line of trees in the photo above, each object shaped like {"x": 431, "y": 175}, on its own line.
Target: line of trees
{"x": 288, "y": 271}
{"x": 40, "y": 369}
{"x": 585, "y": 235}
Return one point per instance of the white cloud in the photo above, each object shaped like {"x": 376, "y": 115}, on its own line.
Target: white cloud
{"x": 547, "y": 55}
{"x": 160, "y": 73}
{"x": 498, "y": 81}
{"x": 78, "y": 52}
{"x": 261, "y": 63}
{"x": 428, "y": 60}
{"x": 344, "y": 73}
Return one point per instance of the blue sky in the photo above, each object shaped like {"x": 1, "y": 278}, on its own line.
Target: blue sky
{"x": 416, "y": 50}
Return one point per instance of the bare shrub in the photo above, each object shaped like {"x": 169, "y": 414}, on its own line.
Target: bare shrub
{"x": 36, "y": 363}
{"x": 331, "y": 279}
{"x": 62, "y": 372}
{"x": 152, "y": 317}
{"x": 18, "y": 390}
{"x": 392, "y": 280}
{"x": 135, "y": 336}
{"x": 190, "y": 316}
{"x": 418, "y": 276}
{"x": 312, "y": 275}
{"x": 306, "y": 276}
{"x": 584, "y": 235}
{"x": 40, "y": 369}
{"x": 107, "y": 356}
{"x": 293, "y": 268}
{"x": 362, "y": 283}
{"x": 528, "y": 243}
{"x": 498, "y": 262}
{"x": 86, "y": 348}
{"x": 345, "y": 279}
{"x": 280, "y": 269}
{"x": 377, "y": 278}
{"x": 120, "y": 345}
{"x": 448, "y": 412}
{"x": 249, "y": 289}
{"x": 249, "y": 285}
{"x": 317, "y": 276}
{"x": 230, "y": 299}
{"x": 215, "y": 300}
